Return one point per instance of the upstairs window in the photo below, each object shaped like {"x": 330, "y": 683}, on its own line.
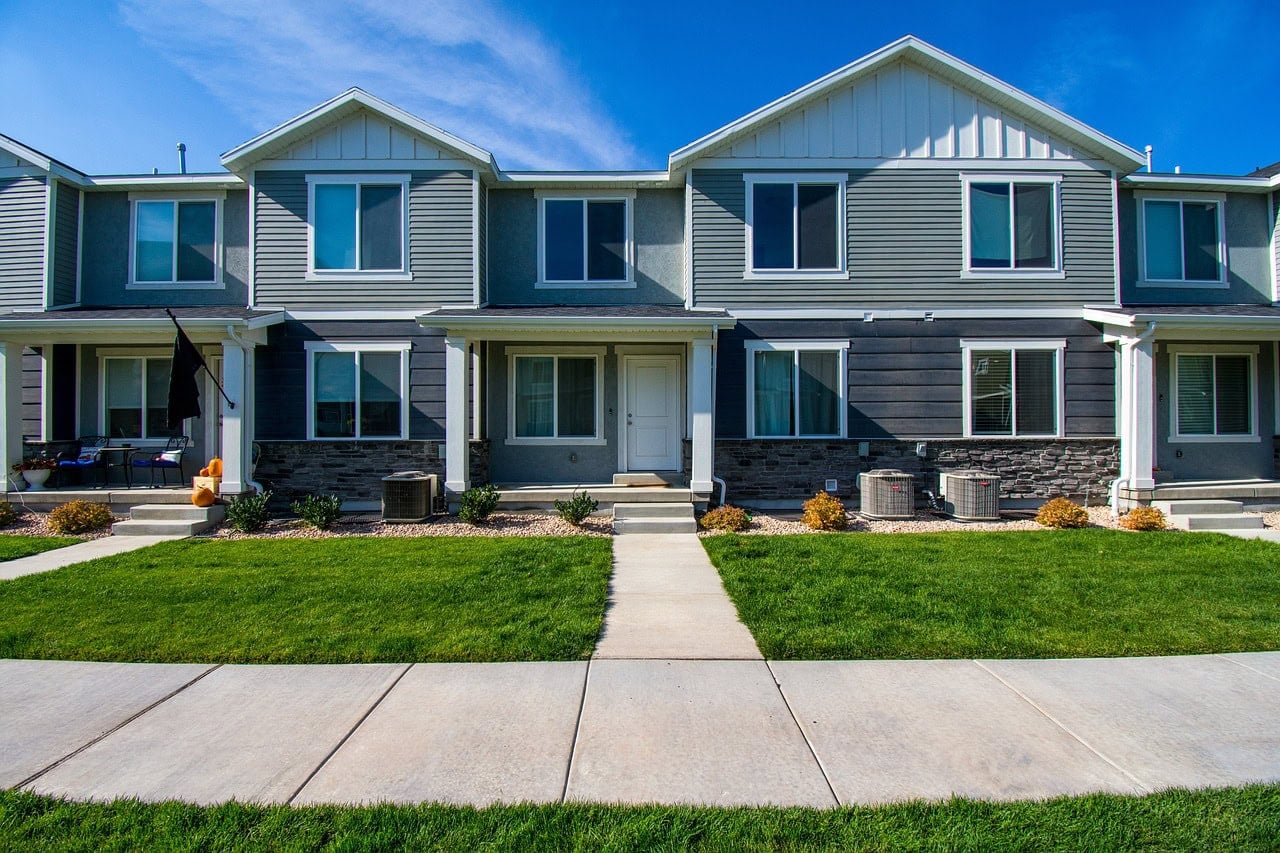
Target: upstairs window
{"x": 1013, "y": 388}
{"x": 795, "y": 225}
{"x": 358, "y": 225}
{"x": 175, "y": 242}
{"x": 1182, "y": 241}
{"x": 584, "y": 242}
{"x": 1011, "y": 225}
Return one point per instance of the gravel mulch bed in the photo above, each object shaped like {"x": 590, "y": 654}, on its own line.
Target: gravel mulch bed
{"x": 32, "y": 523}
{"x": 774, "y": 523}
{"x": 498, "y": 524}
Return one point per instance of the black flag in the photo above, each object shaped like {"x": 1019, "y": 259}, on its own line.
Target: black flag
{"x": 184, "y": 392}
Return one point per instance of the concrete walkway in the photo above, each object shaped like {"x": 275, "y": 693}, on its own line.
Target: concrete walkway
{"x": 107, "y": 546}
{"x": 723, "y": 732}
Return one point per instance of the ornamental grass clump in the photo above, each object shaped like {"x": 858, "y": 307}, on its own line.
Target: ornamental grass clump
{"x": 76, "y": 517}
{"x": 478, "y": 503}
{"x": 319, "y": 511}
{"x": 249, "y": 513}
{"x": 825, "y": 512}
{"x": 1062, "y": 514}
{"x": 8, "y": 515}
{"x": 577, "y": 508}
{"x": 1144, "y": 518}
{"x": 727, "y": 517}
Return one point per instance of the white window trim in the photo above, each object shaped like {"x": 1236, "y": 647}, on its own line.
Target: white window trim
{"x": 132, "y": 282}
{"x": 402, "y": 347}
{"x": 627, "y": 197}
{"x": 841, "y": 271}
{"x": 131, "y": 354}
{"x": 1057, "y": 345}
{"x": 597, "y": 353}
{"x": 1220, "y": 199}
{"x": 838, "y": 346}
{"x": 1253, "y": 436}
{"x": 967, "y": 270}
{"x": 372, "y": 179}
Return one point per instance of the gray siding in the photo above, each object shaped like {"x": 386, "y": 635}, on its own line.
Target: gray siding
{"x": 440, "y": 247}
{"x": 904, "y": 246}
{"x": 66, "y": 241}
{"x": 282, "y": 374}
{"x": 513, "y": 247}
{"x": 1248, "y": 232}
{"x": 32, "y": 392}
{"x": 906, "y": 376}
{"x": 22, "y": 223}
{"x": 104, "y": 271}
{"x": 482, "y": 247}
{"x": 1275, "y": 236}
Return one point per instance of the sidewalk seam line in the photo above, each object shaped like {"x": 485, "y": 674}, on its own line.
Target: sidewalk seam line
{"x": 348, "y": 735}
{"x": 109, "y": 732}
{"x": 1051, "y": 718}
{"x": 816, "y": 760}
{"x": 1246, "y": 666}
{"x": 577, "y": 730}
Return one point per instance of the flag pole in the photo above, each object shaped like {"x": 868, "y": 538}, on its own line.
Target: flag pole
{"x": 212, "y": 378}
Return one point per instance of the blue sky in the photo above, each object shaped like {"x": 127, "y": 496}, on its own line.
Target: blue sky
{"x": 111, "y": 86}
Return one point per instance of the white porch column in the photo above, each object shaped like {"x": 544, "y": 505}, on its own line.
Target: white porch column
{"x": 1137, "y": 411}
{"x": 457, "y": 464}
{"x": 702, "y": 407}
{"x": 234, "y": 456}
{"x": 11, "y": 399}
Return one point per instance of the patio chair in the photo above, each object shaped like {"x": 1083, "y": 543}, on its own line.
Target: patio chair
{"x": 56, "y": 451}
{"x": 86, "y": 457}
{"x": 169, "y": 459}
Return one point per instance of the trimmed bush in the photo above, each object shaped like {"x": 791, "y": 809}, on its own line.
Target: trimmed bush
{"x": 1144, "y": 518}
{"x": 249, "y": 513}
{"x": 825, "y": 512}
{"x": 8, "y": 515}
{"x": 478, "y": 503}
{"x": 577, "y": 508}
{"x": 1062, "y": 514}
{"x": 319, "y": 511}
{"x": 79, "y": 517}
{"x": 727, "y": 517}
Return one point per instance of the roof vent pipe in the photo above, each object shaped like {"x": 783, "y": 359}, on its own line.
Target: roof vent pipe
{"x": 1148, "y": 151}
{"x": 1177, "y": 170}
{"x": 182, "y": 159}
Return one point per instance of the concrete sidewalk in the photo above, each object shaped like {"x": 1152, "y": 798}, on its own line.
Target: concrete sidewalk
{"x": 721, "y": 732}
{"x": 47, "y": 561}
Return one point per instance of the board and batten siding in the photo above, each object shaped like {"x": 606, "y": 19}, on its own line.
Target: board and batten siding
{"x": 66, "y": 244}
{"x": 441, "y": 252}
{"x": 22, "y": 226}
{"x": 906, "y": 377}
{"x": 905, "y": 246}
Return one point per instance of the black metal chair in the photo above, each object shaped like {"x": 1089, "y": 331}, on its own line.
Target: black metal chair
{"x": 86, "y": 457}
{"x": 167, "y": 460}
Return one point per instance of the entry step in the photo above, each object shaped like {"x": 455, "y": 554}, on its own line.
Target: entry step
{"x": 653, "y": 517}
{"x": 1199, "y": 507}
{"x": 1213, "y": 522}
{"x": 169, "y": 520}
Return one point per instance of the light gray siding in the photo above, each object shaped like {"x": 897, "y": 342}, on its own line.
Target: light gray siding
{"x": 904, "y": 246}
{"x": 1275, "y": 238}
{"x": 1248, "y": 233}
{"x": 104, "y": 270}
{"x": 441, "y": 254}
{"x": 482, "y": 246}
{"x": 513, "y": 249}
{"x": 22, "y": 226}
{"x": 66, "y": 241}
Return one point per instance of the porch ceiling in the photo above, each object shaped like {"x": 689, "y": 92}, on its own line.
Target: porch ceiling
{"x": 632, "y": 322}
{"x": 131, "y": 325}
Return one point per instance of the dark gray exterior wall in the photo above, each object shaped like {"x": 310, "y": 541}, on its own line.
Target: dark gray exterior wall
{"x": 22, "y": 226}
{"x": 104, "y": 270}
{"x": 441, "y": 254}
{"x": 513, "y": 252}
{"x": 32, "y": 392}
{"x": 1248, "y": 233}
{"x": 904, "y": 246}
{"x": 906, "y": 376}
{"x": 66, "y": 236}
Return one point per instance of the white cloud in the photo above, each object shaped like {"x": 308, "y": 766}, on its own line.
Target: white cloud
{"x": 468, "y": 67}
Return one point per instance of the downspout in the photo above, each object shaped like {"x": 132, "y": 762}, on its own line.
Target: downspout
{"x": 1122, "y": 482}
{"x": 248, "y": 463}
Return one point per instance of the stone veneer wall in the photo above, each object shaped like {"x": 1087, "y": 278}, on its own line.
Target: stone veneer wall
{"x": 790, "y": 470}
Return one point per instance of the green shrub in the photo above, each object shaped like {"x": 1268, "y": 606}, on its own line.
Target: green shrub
{"x": 319, "y": 511}
{"x": 1143, "y": 518}
{"x": 577, "y": 508}
{"x": 825, "y": 512}
{"x": 1062, "y": 514}
{"x": 478, "y": 503}
{"x": 249, "y": 513}
{"x": 79, "y": 517}
{"x": 726, "y": 517}
{"x": 8, "y": 515}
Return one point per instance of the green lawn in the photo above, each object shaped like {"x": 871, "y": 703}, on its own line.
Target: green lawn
{"x": 317, "y": 601}
{"x": 1079, "y": 593}
{"x": 1243, "y": 819}
{"x": 13, "y": 547}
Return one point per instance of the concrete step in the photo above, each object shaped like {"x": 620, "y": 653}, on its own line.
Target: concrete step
{"x": 654, "y": 525}
{"x": 175, "y": 512}
{"x": 1219, "y": 490}
{"x": 543, "y": 497}
{"x": 1199, "y": 507}
{"x": 670, "y": 511}
{"x": 160, "y": 528}
{"x": 641, "y": 478}
{"x": 1216, "y": 522}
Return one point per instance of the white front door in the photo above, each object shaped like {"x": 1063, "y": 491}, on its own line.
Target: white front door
{"x": 653, "y": 412}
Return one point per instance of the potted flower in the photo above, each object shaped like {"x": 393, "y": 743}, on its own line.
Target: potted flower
{"x": 36, "y": 471}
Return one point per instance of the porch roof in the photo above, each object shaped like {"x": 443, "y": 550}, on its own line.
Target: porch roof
{"x": 90, "y": 325}
{"x": 1264, "y": 319}
{"x": 610, "y": 320}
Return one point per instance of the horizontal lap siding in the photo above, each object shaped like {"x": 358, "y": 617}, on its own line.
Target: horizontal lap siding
{"x": 904, "y": 246}
{"x": 441, "y": 255}
{"x": 32, "y": 392}
{"x": 906, "y": 377}
{"x": 66, "y": 230}
{"x": 482, "y": 244}
{"x": 22, "y": 223}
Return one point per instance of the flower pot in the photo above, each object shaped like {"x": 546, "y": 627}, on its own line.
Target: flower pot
{"x": 36, "y": 478}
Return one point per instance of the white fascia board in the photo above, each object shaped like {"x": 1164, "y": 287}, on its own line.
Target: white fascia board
{"x": 907, "y": 46}
{"x": 43, "y": 162}
{"x": 631, "y": 179}
{"x": 575, "y": 324}
{"x": 219, "y": 181}
{"x": 125, "y": 324}
{"x": 872, "y": 314}
{"x": 1218, "y": 183}
{"x": 1165, "y": 322}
